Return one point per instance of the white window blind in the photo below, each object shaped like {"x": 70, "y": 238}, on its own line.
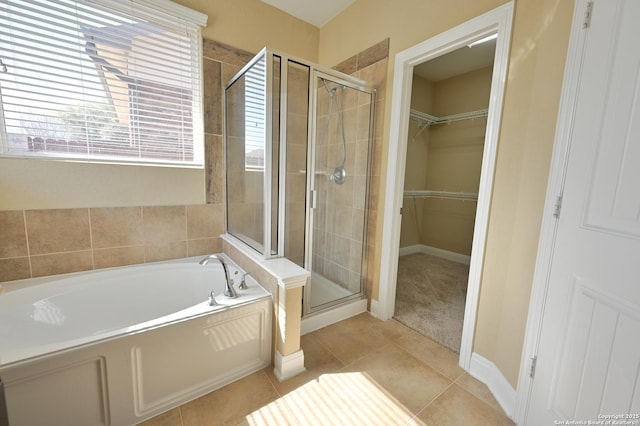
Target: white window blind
{"x": 254, "y": 113}
{"x": 115, "y": 81}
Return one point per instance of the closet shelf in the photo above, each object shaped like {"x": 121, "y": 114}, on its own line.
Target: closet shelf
{"x": 430, "y": 120}
{"x": 427, "y": 120}
{"x": 440, "y": 194}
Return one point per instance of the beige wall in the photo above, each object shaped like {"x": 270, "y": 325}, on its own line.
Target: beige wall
{"x": 445, "y": 157}
{"x": 462, "y": 93}
{"x": 407, "y": 23}
{"x": 454, "y": 160}
{"x": 537, "y": 57}
{"x": 252, "y": 25}
{"x": 539, "y": 47}
{"x": 415, "y": 175}
{"x": 417, "y": 147}
{"x": 42, "y": 184}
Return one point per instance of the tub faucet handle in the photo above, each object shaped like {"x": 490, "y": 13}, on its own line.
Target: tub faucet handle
{"x": 243, "y": 284}
{"x": 212, "y": 299}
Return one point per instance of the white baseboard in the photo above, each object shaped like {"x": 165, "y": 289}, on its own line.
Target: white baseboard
{"x": 375, "y": 309}
{"x": 434, "y": 251}
{"x": 487, "y": 372}
{"x": 287, "y": 366}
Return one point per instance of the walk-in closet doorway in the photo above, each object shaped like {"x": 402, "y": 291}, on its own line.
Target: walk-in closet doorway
{"x": 497, "y": 21}
{"x": 446, "y": 132}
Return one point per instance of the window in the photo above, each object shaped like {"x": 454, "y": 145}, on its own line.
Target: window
{"x": 101, "y": 80}
{"x": 254, "y": 113}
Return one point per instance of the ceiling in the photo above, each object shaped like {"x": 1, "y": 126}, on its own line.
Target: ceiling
{"x": 460, "y": 61}
{"x": 314, "y": 12}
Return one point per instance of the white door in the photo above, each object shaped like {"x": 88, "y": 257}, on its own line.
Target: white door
{"x": 588, "y": 363}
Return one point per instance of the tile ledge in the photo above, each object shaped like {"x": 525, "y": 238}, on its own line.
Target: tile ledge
{"x": 288, "y": 274}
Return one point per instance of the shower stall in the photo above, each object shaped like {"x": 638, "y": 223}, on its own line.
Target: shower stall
{"x": 298, "y": 146}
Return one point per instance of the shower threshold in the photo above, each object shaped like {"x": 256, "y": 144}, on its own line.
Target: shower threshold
{"x": 325, "y": 291}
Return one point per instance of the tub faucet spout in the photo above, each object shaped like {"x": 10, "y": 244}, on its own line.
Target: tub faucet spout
{"x": 229, "y": 291}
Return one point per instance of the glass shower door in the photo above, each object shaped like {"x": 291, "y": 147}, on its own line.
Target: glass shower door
{"x": 252, "y": 136}
{"x": 340, "y": 146}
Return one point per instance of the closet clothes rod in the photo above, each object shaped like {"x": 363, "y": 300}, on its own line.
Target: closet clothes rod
{"x": 430, "y": 120}
{"x": 441, "y": 194}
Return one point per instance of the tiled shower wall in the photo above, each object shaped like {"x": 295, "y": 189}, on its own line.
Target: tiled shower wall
{"x": 370, "y": 65}
{"x": 297, "y": 122}
{"x": 339, "y": 216}
{"x": 220, "y": 64}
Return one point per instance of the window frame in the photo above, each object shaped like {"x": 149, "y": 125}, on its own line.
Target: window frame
{"x": 193, "y": 21}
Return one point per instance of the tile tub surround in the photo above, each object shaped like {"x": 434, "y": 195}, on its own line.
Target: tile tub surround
{"x": 36, "y": 243}
{"x": 47, "y": 242}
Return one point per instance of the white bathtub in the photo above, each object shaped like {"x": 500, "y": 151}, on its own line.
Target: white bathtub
{"x": 122, "y": 345}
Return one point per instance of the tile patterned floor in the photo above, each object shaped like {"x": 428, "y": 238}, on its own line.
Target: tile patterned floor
{"x": 361, "y": 371}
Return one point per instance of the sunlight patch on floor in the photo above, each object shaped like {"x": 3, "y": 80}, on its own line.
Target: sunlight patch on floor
{"x": 341, "y": 398}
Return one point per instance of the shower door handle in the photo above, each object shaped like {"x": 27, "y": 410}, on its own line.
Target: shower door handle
{"x": 313, "y": 198}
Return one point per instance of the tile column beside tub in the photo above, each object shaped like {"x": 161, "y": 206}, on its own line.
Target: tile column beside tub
{"x": 285, "y": 281}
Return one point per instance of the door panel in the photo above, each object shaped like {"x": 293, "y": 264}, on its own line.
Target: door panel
{"x": 595, "y": 356}
{"x": 339, "y": 169}
{"x": 614, "y": 198}
{"x": 589, "y": 351}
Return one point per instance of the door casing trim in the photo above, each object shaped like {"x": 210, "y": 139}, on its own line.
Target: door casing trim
{"x": 497, "y": 20}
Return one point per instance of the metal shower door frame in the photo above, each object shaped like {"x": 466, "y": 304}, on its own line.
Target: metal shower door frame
{"x": 315, "y": 72}
{"x": 351, "y": 83}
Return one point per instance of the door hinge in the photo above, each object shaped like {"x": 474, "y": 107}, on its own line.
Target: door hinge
{"x": 557, "y": 207}
{"x": 532, "y": 366}
{"x": 587, "y": 15}
{"x": 400, "y": 210}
